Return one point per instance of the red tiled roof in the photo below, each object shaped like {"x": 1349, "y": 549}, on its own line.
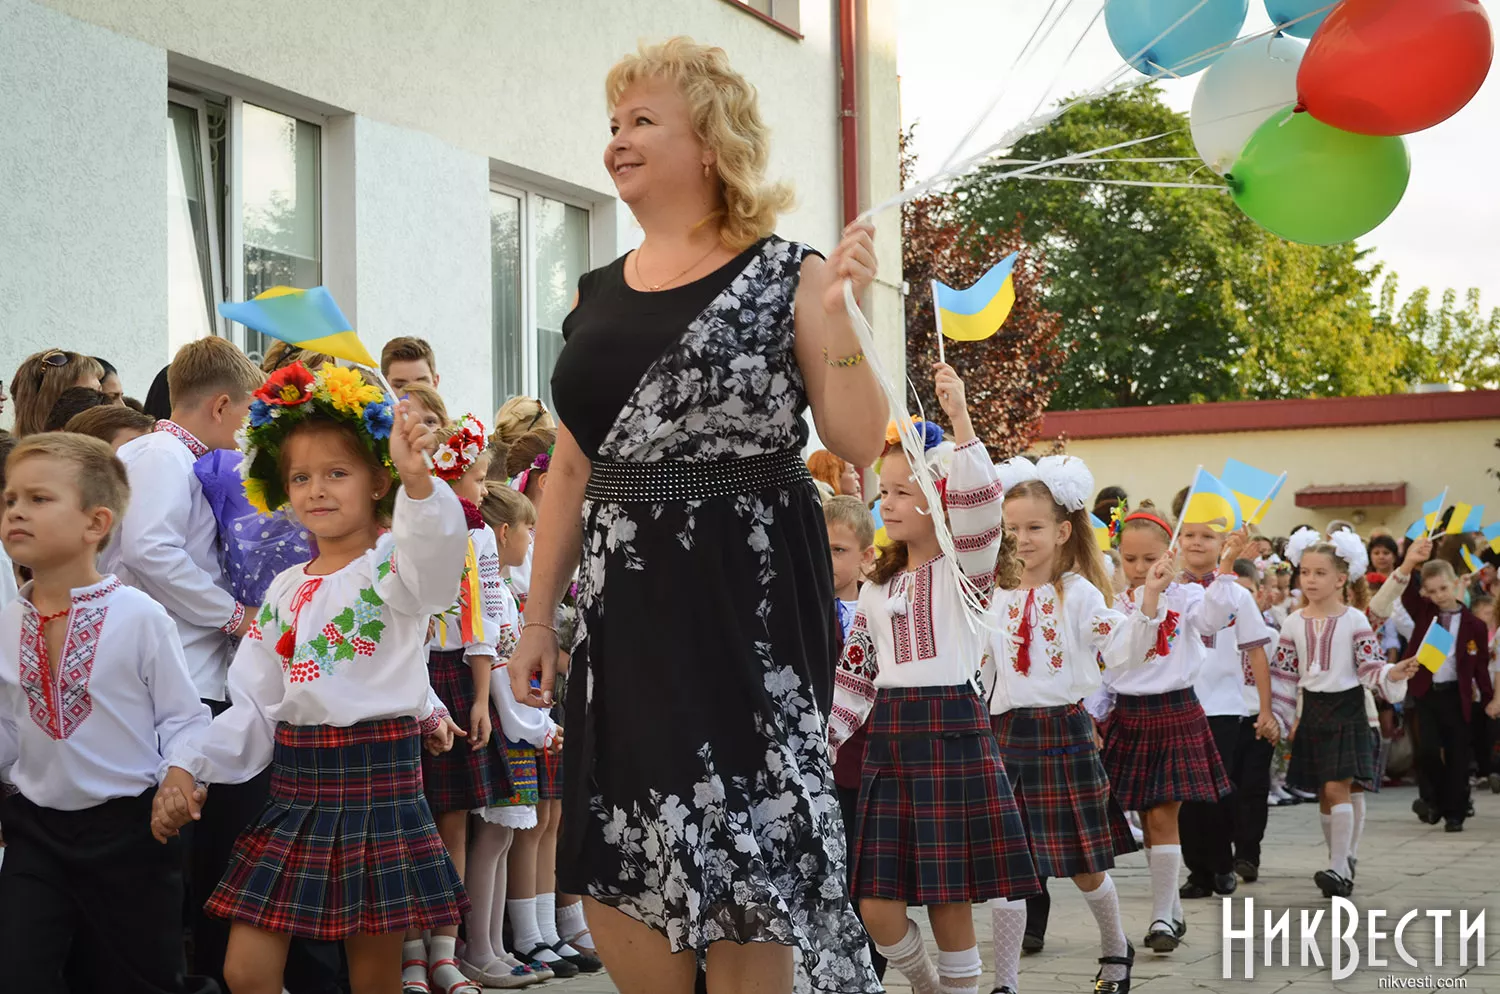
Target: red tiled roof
{"x": 1353, "y": 495}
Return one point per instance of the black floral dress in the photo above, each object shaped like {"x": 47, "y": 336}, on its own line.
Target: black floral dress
{"x": 699, "y": 797}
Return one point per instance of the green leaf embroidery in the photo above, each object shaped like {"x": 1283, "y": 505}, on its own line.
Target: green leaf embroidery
{"x": 319, "y": 646}
{"x": 344, "y": 619}
{"x": 372, "y": 629}
{"x": 369, "y": 596}
{"x": 343, "y": 651}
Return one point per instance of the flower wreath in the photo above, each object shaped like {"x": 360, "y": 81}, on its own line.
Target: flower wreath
{"x": 293, "y": 395}
{"x": 461, "y": 450}
{"x": 937, "y": 451}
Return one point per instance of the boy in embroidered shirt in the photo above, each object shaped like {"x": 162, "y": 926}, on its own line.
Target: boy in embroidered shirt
{"x": 92, "y": 689}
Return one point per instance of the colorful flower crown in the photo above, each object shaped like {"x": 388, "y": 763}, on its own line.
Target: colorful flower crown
{"x": 461, "y": 450}
{"x": 293, "y": 395}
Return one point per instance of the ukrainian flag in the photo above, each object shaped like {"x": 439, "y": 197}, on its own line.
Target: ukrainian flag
{"x": 1458, "y": 521}
{"x": 1475, "y": 521}
{"x": 1491, "y": 535}
{"x": 978, "y": 312}
{"x": 1101, "y": 533}
{"x": 1436, "y": 647}
{"x": 1431, "y": 512}
{"x": 1474, "y": 565}
{"x": 1211, "y": 503}
{"x": 1253, "y": 488}
{"x": 308, "y": 319}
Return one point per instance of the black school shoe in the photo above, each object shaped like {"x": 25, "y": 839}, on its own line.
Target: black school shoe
{"x": 586, "y": 962}
{"x": 1333, "y": 885}
{"x": 1163, "y": 936}
{"x": 561, "y": 968}
{"x": 1247, "y": 870}
{"x": 1116, "y": 986}
{"x": 1192, "y": 890}
{"x": 1225, "y": 883}
{"x": 1033, "y": 943}
{"x": 1454, "y": 825}
{"x": 1425, "y": 811}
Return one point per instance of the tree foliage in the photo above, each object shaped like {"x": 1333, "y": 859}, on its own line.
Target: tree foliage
{"x": 1009, "y": 377}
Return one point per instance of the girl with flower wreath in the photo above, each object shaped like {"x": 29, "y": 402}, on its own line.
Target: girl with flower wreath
{"x": 1054, "y": 631}
{"x": 1157, "y": 747}
{"x": 463, "y": 643}
{"x": 328, "y": 688}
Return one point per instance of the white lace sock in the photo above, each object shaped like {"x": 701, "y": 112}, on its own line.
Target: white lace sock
{"x": 1323, "y": 819}
{"x": 909, "y": 956}
{"x": 1166, "y": 864}
{"x": 414, "y": 951}
{"x": 572, "y": 926}
{"x": 1008, "y": 926}
{"x": 546, "y": 920}
{"x": 485, "y": 873}
{"x": 1104, "y": 903}
{"x": 443, "y": 977}
{"x": 1357, "y": 800}
{"x": 958, "y": 972}
{"x": 1341, "y": 833}
{"x": 525, "y": 931}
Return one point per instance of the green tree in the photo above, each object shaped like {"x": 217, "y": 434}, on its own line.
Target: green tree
{"x": 1445, "y": 344}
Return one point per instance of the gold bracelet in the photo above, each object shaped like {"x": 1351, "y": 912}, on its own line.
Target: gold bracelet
{"x": 846, "y": 362}
{"x": 537, "y": 624}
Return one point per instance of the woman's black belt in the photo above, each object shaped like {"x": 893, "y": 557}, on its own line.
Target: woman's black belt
{"x": 655, "y": 482}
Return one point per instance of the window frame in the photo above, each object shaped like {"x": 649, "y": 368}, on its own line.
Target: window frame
{"x": 792, "y": 28}
{"x": 184, "y": 98}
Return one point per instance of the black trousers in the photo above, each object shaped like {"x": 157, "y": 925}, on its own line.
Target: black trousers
{"x": 1207, "y": 828}
{"x": 1038, "y": 911}
{"x": 312, "y": 967}
{"x": 1444, "y": 749}
{"x": 1483, "y": 734}
{"x": 89, "y": 901}
{"x": 1251, "y": 774}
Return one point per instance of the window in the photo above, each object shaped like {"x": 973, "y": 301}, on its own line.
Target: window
{"x": 539, "y": 247}
{"x": 784, "y": 14}
{"x": 244, "y": 211}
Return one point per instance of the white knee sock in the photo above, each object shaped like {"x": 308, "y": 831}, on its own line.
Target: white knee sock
{"x": 1357, "y": 799}
{"x": 958, "y": 972}
{"x": 572, "y": 926}
{"x": 525, "y": 931}
{"x": 1008, "y": 920}
{"x": 414, "y": 951}
{"x": 443, "y": 947}
{"x": 485, "y": 882}
{"x": 1327, "y": 837}
{"x": 1341, "y": 833}
{"x": 1166, "y": 864}
{"x": 1104, "y": 903}
{"x": 909, "y": 956}
{"x": 546, "y": 920}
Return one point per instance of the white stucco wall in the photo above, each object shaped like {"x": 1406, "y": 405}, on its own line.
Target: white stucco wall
{"x": 83, "y": 209}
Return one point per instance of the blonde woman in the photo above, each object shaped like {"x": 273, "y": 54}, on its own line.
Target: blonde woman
{"x": 699, "y": 808}
{"x": 42, "y": 378}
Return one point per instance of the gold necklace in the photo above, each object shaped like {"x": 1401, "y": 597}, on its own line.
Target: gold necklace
{"x": 653, "y": 288}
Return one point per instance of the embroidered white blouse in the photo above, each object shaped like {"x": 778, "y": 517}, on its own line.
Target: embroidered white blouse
{"x": 342, "y": 648}
{"x": 168, "y": 545}
{"x": 1193, "y": 612}
{"x": 1066, "y": 644}
{"x": 912, "y": 631}
{"x": 1325, "y": 656}
{"x": 1225, "y": 684}
{"x": 447, "y": 625}
{"x": 518, "y": 722}
{"x": 95, "y": 730}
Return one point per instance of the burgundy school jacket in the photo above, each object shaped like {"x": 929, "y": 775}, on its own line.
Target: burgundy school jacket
{"x": 1472, "y": 650}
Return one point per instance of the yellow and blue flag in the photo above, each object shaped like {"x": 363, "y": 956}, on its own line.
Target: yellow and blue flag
{"x": 308, "y": 319}
{"x": 1458, "y": 521}
{"x": 1473, "y": 565}
{"x": 1211, "y": 503}
{"x": 1432, "y": 512}
{"x": 1436, "y": 647}
{"x": 1491, "y": 535}
{"x": 1475, "y": 521}
{"x": 1253, "y": 488}
{"x": 978, "y": 312}
{"x": 1101, "y": 533}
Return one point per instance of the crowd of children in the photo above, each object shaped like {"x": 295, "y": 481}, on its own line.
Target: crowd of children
{"x": 210, "y": 723}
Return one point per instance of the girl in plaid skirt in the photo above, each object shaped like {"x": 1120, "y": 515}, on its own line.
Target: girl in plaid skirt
{"x": 329, "y": 689}
{"x": 1329, "y": 653}
{"x": 1053, "y": 632}
{"x": 935, "y": 823}
{"x": 1157, "y": 749}
{"x": 459, "y": 657}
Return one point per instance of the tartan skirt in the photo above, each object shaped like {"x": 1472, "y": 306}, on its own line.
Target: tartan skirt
{"x": 462, "y": 778}
{"x": 549, "y": 767}
{"x": 936, "y": 822}
{"x": 1158, "y": 749}
{"x": 346, "y": 843}
{"x": 1072, "y": 821}
{"x": 1333, "y": 740}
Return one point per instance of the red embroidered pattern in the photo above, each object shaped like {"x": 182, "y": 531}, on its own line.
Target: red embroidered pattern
{"x": 197, "y": 448}
{"x": 1166, "y": 635}
{"x": 901, "y": 624}
{"x": 922, "y": 614}
{"x": 59, "y": 707}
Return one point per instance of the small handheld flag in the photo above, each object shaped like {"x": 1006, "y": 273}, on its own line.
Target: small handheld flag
{"x": 1101, "y": 533}
{"x": 1210, "y": 502}
{"x": 1491, "y": 535}
{"x": 1459, "y": 518}
{"x": 1432, "y": 512}
{"x": 1475, "y": 521}
{"x": 308, "y": 319}
{"x": 1473, "y": 565}
{"x": 975, "y": 314}
{"x": 1253, "y": 488}
{"x": 1436, "y": 647}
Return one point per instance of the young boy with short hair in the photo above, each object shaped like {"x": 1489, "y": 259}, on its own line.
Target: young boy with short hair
{"x": 113, "y": 424}
{"x": 93, "y": 689}
{"x": 407, "y": 360}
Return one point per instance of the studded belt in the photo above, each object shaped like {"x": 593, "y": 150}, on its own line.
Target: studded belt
{"x": 656, "y": 482}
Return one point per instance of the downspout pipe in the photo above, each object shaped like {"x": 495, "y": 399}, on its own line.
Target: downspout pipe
{"x": 848, "y": 110}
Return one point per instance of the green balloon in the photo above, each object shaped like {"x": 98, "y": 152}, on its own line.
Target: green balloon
{"x": 1310, "y": 182}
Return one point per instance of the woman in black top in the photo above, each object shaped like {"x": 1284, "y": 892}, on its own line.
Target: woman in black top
{"x": 699, "y": 808}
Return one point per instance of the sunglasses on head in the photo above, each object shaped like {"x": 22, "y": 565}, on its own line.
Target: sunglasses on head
{"x": 55, "y": 359}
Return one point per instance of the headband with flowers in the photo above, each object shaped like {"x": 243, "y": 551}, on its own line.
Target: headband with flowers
{"x": 541, "y": 464}
{"x": 457, "y": 453}
{"x": 293, "y": 395}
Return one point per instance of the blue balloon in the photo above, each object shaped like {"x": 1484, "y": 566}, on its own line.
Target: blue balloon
{"x": 1190, "y": 47}
{"x": 1282, "y": 11}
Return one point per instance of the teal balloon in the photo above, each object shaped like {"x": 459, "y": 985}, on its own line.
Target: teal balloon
{"x": 1190, "y": 47}
{"x": 1284, "y": 11}
{"x": 1310, "y": 182}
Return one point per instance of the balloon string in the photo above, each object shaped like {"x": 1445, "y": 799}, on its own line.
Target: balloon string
{"x": 1092, "y": 180}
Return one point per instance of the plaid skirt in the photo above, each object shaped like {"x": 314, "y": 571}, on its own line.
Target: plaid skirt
{"x": 346, "y": 843}
{"x": 1073, "y": 823}
{"x": 936, "y": 822}
{"x": 463, "y": 777}
{"x": 1158, "y": 749}
{"x": 1333, "y": 740}
{"x": 549, "y": 768}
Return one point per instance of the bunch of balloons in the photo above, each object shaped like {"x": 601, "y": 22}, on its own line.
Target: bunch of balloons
{"x": 1308, "y": 135}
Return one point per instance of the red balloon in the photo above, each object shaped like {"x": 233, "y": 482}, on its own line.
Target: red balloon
{"x": 1391, "y": 67}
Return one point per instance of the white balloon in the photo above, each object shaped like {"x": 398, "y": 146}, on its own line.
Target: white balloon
{"x": 1247, "y": 84}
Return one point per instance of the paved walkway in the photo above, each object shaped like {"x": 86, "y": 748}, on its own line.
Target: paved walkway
{"x": 1403, "y": 865}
